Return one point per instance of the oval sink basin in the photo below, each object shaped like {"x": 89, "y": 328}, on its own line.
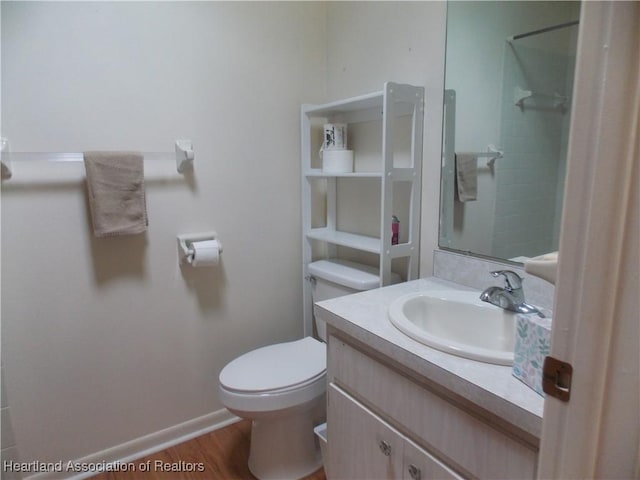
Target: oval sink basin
{"x": 457, "y": 322}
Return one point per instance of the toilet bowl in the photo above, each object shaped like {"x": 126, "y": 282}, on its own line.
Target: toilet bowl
{"x": 281, "y": 388}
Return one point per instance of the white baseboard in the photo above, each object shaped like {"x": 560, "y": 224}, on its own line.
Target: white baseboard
{"x": 140, "y": 447}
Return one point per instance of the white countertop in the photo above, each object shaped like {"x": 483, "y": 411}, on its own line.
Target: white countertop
{"x": 364, "y": 317}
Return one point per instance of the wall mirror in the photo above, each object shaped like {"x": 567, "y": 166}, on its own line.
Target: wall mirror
{"x": 508, "y": 90}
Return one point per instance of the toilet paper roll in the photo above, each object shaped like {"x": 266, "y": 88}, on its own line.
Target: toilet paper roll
{"x": 205, "y": 253}
{"x": 337, "y": 161}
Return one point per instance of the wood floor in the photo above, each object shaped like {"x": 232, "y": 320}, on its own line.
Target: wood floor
{"x": 221, "y": 455}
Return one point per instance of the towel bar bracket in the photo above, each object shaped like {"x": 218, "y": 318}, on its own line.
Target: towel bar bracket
{"x": 184, "y": 155}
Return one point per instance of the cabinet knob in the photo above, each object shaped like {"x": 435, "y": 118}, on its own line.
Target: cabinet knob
{"x": 385, "y": 448}
{"x": 414, "y": 472}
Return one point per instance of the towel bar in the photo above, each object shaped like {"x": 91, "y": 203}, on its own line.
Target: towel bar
{"x": 492, "y": 153}
{"x": 183, "y": 156}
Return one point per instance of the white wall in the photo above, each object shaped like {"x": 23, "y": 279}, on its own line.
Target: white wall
{"x": 372, "y": 42}
{"x": 106, "y": 340}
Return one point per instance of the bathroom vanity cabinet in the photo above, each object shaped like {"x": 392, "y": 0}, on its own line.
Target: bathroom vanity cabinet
{"x": 386, "y": 422}
{"x": 384, "y": 131}
{"x": 379, "y": 450}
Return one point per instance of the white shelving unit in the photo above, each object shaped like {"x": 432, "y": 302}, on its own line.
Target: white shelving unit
{"x": 396, "y": 114}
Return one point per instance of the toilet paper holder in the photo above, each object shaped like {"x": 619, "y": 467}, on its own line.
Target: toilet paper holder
{"x": 185, "y": 240}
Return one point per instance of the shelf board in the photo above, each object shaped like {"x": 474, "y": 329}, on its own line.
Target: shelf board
{"x": 359, "y": 242}
{"x": 321, "y": 174}
{"x": 365, "y": 108}
{"x": 399, "y": 174}
{"x": 363, "y": 102}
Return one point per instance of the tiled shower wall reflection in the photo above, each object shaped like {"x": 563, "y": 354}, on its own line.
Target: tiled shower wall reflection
{"x": 530, "y": 178}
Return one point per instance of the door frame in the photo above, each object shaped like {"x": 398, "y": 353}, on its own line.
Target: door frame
{"x": 596, "y": 320}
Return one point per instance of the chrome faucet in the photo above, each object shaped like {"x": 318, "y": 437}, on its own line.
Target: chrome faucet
{"x": 511, "y": 296}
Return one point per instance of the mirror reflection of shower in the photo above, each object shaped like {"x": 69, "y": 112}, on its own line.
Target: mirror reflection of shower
{"x": 507, "y": 103}
{"x": 537, "y": 85}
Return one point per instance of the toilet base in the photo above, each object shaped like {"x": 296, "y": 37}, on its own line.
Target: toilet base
{"x": 284, "y": 447}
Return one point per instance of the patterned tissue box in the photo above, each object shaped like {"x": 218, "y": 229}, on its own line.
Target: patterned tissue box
{"x": 533, "y": 340}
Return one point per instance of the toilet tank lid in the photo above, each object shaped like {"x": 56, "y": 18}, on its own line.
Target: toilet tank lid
{"x": 348, "y": 274}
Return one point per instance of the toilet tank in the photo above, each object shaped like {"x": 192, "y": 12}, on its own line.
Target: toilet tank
{"x": 335, "y": 277}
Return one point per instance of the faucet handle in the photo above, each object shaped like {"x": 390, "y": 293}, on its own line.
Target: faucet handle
{"x": 512, "y": 280}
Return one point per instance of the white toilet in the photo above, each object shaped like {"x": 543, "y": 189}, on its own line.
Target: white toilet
{"x": 281, "y": 387}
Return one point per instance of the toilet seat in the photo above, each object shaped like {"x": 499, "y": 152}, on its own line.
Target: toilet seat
{"x": 275, "y": 377}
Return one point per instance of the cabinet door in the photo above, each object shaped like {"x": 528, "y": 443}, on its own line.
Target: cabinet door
{"x": 421, "y": 465}
{"x": 361, "y": 446}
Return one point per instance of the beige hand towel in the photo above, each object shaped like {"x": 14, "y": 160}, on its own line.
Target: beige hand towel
{"x": 115, "y": 184}
{"x": 6, "y": 171}
{"x": 466, "y": 176}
